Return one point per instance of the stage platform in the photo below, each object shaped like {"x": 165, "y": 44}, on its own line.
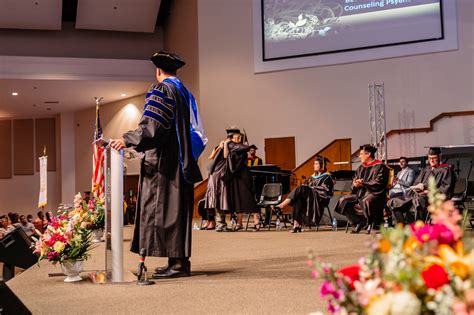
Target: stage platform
{"x": 232, "y": 273}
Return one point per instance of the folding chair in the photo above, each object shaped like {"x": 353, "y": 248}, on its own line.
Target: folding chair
{"x": 270, "y": 197}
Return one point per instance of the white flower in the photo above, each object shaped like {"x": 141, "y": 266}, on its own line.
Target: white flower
{"x": 406, "y": 303}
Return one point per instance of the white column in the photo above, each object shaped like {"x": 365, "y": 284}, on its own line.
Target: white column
{"x": 67, "y": 157}
{"x": 116, "y": 181}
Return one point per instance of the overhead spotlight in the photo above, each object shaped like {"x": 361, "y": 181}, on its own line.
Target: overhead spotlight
{"x": 123, "y": 95}
{"x": 14, "y": 93}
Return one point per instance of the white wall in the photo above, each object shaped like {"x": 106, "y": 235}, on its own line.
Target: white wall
{"x": 320, "y": 104}
{"x": 454, "y": 130}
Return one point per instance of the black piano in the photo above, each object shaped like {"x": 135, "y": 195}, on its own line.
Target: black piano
{"x": 269, "y": 173}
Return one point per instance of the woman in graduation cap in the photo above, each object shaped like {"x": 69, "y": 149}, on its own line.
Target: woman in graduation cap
{"x": 308, "y": 200}
{"x": 238, "y": 178}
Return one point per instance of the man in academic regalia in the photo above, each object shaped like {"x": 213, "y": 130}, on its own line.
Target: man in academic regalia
{"x": 252, "y": 158}
{"x": 414, "y": 204}
{"x": 171, "y": 136}
{"x": 365, "y": 205}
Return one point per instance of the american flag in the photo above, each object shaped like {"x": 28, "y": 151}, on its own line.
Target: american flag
{"x": 98, "y": 160}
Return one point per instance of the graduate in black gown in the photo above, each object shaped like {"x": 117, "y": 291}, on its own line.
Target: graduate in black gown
{"x": 415, "y": 202}
{"x": 238, "y": 178}
{"x": 365, "y": 205}
{"x": 171, "y": 137}
{"x": 308, "y": 200}
{"x": 217, "y": 196}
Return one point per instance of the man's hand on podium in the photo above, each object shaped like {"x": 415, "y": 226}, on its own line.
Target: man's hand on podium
{"x": 117, "y": 144}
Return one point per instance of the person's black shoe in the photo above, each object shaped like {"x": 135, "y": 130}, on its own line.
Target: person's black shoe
{"x": 171, "y": 273}
{"x": 180, "y": 269}
{"x": 161, "y": 269}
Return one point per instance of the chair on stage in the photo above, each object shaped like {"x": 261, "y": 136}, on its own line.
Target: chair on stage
{"x": 271, "y": 196}
{"x": 330, "y": 219}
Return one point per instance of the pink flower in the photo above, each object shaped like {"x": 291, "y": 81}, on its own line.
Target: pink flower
{"x": 326, "y": 289}
{"x": 332, "y": 308}
{"x": 314, "y": 274}
{"x": 439, "y": 232}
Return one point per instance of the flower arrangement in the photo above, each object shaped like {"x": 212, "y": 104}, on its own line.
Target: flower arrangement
{"x": 416, "y": 269}
{"x": 65, "y": 239}
{"x": 93, "y": 210}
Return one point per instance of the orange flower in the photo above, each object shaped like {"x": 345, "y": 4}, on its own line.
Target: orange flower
{"x": 384, "y": 246}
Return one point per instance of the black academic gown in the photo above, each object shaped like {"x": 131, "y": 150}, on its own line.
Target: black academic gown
{"x": 239, "y": 180}
{"x": 365, "y": 204}
{"x": 217, "y": 196}
{"x": 308, "y": 200}
{"x": 163, "y": 221}
{"x": 405, "y": 207}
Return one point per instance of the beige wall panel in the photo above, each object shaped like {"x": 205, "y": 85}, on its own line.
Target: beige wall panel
{"x": 6, "y": 156}
{"x": 45, "y": 132}
{"x": 23, "y": 138}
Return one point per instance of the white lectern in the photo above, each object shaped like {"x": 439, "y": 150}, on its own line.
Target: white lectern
{"x": 113, "y": 168}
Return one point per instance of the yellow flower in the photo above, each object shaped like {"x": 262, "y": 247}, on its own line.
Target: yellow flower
{"x": 59, "y": 247}
{"x": 461, "y": 265}
{"x": 410, "y": 245}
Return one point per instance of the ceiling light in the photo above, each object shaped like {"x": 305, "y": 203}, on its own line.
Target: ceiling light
{"x": 14, "y": 93}
{"x": 123, "y": 94}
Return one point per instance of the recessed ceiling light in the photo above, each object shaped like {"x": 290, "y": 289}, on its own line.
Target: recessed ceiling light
{"x": 14, "y": 93}
{"x": 123, "y": 94}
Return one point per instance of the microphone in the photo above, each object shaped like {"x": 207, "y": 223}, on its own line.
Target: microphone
{"x": 141, "y": 269}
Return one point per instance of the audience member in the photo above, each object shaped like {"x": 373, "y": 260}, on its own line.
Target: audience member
{"x": 40, "y": 222}
{"x": 27, "y": 227}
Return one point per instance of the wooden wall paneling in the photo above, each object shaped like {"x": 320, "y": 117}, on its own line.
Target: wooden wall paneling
{"x": 45, "y": 132}
{"x": 23, "y": 142}
{"x": 281, "y": 152}
{"x": 6, "y": 155}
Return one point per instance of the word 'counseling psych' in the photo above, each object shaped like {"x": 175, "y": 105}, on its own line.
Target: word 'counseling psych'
{"x": 354, "y": 5}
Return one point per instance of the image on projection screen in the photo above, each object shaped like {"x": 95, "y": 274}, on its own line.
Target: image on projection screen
{"x": 294, "y": 28}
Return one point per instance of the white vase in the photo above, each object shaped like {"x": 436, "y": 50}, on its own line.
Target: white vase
{"x": 97, "y": 236}
{"x": 72, "y": 269}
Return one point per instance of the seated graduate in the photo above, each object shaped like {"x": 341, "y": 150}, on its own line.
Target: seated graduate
{"x": 369, "y": 192}
{"x": 308, "y": 200}
{"x": 238, "y": 179}
{"x": 404, "y": 179}
{"x": 252, "y": 158}
{"x": 414, "y": 205}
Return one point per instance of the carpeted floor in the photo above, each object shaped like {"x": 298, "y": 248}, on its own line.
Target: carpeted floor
{"x": 232, "y": 273}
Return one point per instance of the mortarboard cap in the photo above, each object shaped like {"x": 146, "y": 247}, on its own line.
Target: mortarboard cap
{"x": 368, "y": 148}
{"x": 232, "y": 130}
{"x": 167, "y": 61}
{"x": 434, "y": 151}
{"x": 323, "y": 161}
